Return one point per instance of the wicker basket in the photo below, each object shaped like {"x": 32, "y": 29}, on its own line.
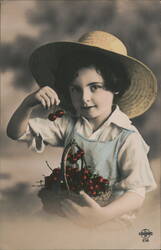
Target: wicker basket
{"x": 66, "y": 182}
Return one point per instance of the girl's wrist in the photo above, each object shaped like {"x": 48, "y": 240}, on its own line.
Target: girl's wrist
{"x": 26, "y": 107}
{"x": 28, "y": 103}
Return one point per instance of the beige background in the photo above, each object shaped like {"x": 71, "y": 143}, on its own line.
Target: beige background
{"x": 24, "y": 26}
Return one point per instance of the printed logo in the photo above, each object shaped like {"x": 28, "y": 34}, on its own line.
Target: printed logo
{"x": 145, "y": 234}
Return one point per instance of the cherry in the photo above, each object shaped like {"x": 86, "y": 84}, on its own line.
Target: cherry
{"x": 105, "y": 181}
{"x": 79, "y": 155}
{"x": 90, "y": 182}
{"x": 56, "y": 172}
{"x": 58, "y": 113}
{"x": 91, "y": 187}
{"x": 97, "y": 186}
{"x": 74, "y": 160}
{"x": 100, "y": 179}
{"x": 52, "y": 117}
{"x": 86, "y": 171}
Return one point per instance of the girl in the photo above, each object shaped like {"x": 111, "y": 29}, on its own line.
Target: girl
{"x": 100, "y": 88}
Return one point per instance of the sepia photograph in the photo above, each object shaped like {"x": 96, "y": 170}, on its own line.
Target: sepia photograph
{"x": 80, "y": 124}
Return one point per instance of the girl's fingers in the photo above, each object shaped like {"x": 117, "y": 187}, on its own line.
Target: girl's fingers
{"x": 47, "y": 97}
{"x": 57, "y": 100}
{"x": 43, "y": 102}
{"x": 88, "y": 199}
{"x": 51, "y": 94}
{"x": 47, "y": 100}
{"x": 51, "y": 99}
{"x": 54, "y": 95}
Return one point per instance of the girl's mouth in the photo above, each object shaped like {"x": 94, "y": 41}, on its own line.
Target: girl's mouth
{"x": 87, "y": 107}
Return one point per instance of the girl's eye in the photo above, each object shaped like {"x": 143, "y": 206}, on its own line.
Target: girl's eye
{"x": 95, "y": 87}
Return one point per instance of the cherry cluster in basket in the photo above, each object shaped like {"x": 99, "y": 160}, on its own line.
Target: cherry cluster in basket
{"x": 73, "y": 158}
{"x": 79, "y": 179}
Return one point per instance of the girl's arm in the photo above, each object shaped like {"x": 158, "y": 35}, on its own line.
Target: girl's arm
{"x": 19, "y": 120}
{"x": 93, "y": 214}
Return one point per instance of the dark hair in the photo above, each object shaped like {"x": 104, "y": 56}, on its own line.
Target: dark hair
{"x": 114, "y": 74}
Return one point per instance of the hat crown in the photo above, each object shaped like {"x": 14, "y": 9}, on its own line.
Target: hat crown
{"x": 104, "y": 41}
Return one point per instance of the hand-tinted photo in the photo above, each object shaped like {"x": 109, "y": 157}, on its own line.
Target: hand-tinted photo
{"x": 80, "y": 160}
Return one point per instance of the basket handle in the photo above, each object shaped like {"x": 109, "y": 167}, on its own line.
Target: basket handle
{"x": 64, "y": 161}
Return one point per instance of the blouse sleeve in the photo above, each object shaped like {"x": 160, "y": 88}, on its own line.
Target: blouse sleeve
{"x": 41, "y": 131}
{"x": 135, "y": 171}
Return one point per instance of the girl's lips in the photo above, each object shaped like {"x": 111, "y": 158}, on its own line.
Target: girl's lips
{"x": 87, "y": 107}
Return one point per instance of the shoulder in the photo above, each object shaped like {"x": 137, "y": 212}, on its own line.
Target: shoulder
{"x": 120, "y": 120}
{"x": 121, "y": 124}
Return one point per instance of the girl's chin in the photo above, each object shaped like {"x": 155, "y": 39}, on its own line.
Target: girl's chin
{"x": 89, "y": 116}
{"x": 95, "y": 115}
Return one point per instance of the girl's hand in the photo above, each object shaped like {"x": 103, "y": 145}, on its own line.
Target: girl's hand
{"x": 45, "y": 96}
{"x": 87, "y": 216}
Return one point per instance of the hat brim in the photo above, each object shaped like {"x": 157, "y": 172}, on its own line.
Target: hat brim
{"x": 137, "y": 99}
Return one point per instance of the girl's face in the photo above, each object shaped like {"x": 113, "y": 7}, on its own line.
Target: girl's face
{"x": 89, "y": 96}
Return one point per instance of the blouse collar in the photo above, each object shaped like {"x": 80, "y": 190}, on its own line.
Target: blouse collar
{"x": 117, "y": 117}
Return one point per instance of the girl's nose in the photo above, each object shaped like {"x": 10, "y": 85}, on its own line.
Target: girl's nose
{"x": 85, "y": 96}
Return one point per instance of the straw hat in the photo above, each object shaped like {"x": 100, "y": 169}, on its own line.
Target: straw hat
{"x": 137, "y": 98}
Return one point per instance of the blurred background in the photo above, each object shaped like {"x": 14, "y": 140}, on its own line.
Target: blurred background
{"x": 25, "y": 25}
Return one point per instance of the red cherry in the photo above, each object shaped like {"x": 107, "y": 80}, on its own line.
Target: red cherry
{"x": 56, "y": 171}
{"x": 74, "y": 160}
{"x": 100, "y": 179}
{"x": 79, "y": 155}
{"x": 59, "y": 113}
{"x": 97, "y": 186}
{"x": 52, "y": 117}
{"x": 105, "y": 181}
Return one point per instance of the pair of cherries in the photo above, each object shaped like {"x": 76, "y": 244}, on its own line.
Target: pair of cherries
{"x": 73, "y": 158}
{"x": 57, "y": 114}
